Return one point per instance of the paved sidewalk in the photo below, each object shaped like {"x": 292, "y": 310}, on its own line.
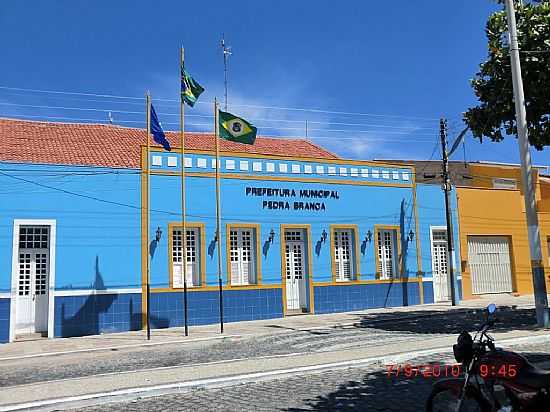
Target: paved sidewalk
{"x": 112, "y": 341}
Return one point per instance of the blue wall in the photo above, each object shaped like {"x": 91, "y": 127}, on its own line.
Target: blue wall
{"x": 204, "y": 308}
{"x": 342, "y": 298}
{"x": 365, "y": 206}
{"x": 4, "y": 320}
{"x": 431, "y": 212}
{"x": 98, "y": 239}
{"x": 94, "y": 314}
{"x": 97, "y": 242}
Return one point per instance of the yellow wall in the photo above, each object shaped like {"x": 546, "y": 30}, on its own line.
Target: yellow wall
{"x": 499, "y": 212}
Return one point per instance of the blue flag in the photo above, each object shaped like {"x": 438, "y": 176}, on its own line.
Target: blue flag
{"x": 157, "y": 132}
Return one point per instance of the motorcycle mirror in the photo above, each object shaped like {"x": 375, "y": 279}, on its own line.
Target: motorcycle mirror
{"x": 492, "y": 308}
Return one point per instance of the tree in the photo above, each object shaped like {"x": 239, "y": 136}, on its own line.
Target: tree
{"x": 492, "y": 85}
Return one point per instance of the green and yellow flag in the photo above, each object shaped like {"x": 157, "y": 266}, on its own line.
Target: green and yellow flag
{"x": 236, "y": 129}
{"x": 190, "y": 88}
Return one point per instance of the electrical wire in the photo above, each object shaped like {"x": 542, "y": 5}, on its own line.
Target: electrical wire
{"x": 233, "y": 105}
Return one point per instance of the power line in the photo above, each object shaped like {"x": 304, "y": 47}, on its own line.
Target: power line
{"x": 233, "y": 105}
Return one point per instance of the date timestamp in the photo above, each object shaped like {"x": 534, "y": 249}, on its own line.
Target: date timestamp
{"x": 429, "y": 370}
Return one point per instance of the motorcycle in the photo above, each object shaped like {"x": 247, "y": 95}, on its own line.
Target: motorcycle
{"x": 495, "y": 380}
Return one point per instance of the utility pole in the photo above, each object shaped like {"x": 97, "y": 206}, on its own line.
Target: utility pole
{"x": 539, "y": 285}
{"x": 226, "y": 53}
{"x": 447, "y": 188}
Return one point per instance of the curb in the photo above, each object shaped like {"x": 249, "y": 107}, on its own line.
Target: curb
{"x": 112, "y": 348}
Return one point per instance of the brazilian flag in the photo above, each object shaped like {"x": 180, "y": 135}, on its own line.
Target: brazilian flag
{"x": 236, "y": 129}
{"x": 190, "y": 88}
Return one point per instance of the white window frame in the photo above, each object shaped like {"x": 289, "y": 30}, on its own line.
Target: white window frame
{"x": 505, "y": 183}
{"x": 381, "y": 248}
{"x": 193, "y": 258}
{"x": 344, "y": 254}
{"x": 242, "y": 258}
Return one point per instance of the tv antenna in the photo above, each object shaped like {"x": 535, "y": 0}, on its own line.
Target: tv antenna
{"x": 226, "y": 53}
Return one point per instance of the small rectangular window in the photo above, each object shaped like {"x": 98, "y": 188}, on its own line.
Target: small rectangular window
{"x": 33, "y": 237}
{"x": 500, "y": 183}
{"x": 242, "y": 256}
{"x": 344, "y": 255}
{"x": 230, "y": 164}
{"x": 157, "y": 160}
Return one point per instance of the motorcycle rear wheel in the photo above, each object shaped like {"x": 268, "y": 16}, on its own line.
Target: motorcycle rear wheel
{"x": 446, "y": 400}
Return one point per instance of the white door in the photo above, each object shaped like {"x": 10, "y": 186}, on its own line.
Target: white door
{"x": 32, "y": 293}
{"x": 440, "y": 265}
{"x": 33, "y": 272}
{"x": 489, "y": 261}
{"x": 294, "y": 271}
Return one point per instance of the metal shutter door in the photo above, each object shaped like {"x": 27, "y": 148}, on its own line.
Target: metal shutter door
{"x": 489, "y": 259}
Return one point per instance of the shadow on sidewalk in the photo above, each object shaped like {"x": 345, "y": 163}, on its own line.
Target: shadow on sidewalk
{"x": 437, "y": 322}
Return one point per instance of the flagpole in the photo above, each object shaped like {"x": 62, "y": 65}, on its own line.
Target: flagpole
{"x": 148, "y": 306}
{"x": 183, "y": 223}
{"x": 218, "y": 216}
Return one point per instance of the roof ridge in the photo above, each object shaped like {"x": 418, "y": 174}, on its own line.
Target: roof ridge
{"x": 39, "y": 141}
{"x": 55, "y": 123}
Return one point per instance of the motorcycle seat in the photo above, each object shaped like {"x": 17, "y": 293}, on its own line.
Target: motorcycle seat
{"x": 534, "y": 377}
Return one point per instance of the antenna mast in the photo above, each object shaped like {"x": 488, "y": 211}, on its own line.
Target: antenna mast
{"x": 226, "y": 54}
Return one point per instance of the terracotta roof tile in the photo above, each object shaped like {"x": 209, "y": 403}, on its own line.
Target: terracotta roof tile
{"x": 116, "y": 146}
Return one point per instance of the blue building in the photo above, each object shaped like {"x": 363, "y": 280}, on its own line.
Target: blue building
{"x": 306, "y": 233}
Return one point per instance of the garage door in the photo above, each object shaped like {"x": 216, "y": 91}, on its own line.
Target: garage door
{"x": 489, "y": 260}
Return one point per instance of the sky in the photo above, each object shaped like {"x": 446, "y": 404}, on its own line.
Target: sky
{"x": 371, "y": 80}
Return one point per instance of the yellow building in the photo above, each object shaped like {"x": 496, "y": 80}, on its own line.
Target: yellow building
{"x": 493, "y": 230}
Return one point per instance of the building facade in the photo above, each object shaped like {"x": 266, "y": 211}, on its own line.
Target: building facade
{"x": 494, "y": 235}
{"x": 308, "y": 233}
{"x": 492, "y": 226}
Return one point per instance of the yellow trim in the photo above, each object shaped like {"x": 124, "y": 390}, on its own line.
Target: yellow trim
{"x": 307, "y": 228}
{"x": 144, "y": 246}
{"x": 281, "y": 178}
{"x": 257, "y": 258}
{"x": 366, "y": 282}
{"x": 376, "y": 258}
{"x": 291, "y": 158}
{"x": 215, "y": 288}
{"x": 418, "y": 245}
{"x": 202, "y": 246}
{"x": 355, "y": 253}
